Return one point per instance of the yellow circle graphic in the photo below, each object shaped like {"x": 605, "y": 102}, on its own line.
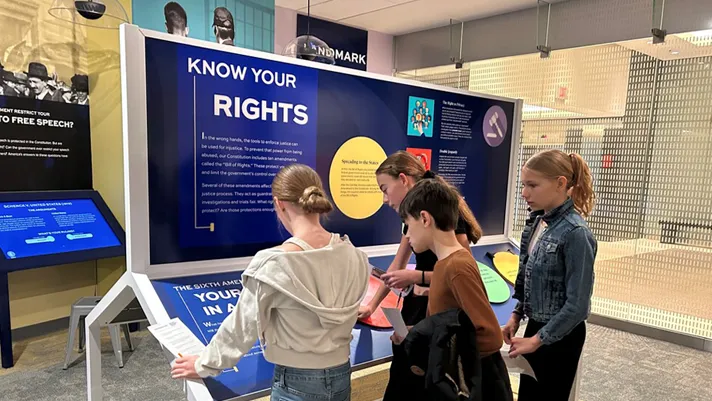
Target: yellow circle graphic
{"x": 352, "y": 177}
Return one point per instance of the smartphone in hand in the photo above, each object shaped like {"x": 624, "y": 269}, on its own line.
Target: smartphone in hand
{"x": 376, "y": 272}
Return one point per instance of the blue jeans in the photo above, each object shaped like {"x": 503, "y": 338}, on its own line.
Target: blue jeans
{"x": 292, "y": 384}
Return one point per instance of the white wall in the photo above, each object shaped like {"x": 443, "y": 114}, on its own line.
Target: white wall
{"x": 380, "y": 45}
{"x": 380, "y": 53}
{"x": 285, "y": 27}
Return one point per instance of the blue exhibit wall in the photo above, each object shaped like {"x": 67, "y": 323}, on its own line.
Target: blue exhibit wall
{"x": 223, "y": 124}
{"x": 254, "y": 19}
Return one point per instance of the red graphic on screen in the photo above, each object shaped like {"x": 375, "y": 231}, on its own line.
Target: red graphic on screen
{"x": 378, "y": 319}
{"x": 424, "y": 155}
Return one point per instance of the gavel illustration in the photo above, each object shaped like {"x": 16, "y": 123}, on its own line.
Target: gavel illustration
{"x": 495, "y": 123}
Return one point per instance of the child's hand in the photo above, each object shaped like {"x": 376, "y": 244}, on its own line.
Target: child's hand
{"x": 523, "y": 346}
{"x": 365, "y": 311}
{"x": 184, "y": 368}
{"x": 401, "y": 278}
{"x": 511, "y": 328}
{"x": 396, "y": 339}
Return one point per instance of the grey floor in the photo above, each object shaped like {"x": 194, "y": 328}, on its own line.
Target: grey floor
{"x": 617, "y": 367}
{"x": 624, "y": 367}
{"x": 145, "y": 377}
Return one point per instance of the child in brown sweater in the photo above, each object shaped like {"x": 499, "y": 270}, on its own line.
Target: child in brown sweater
{"x": 430, "y": 210}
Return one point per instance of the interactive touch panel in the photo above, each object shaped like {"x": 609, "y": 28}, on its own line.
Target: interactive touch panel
{"x": 34, "y": 226}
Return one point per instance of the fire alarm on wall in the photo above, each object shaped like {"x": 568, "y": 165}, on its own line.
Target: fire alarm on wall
{"x": 563, "y": 93}
{"x": 607, "y": 161}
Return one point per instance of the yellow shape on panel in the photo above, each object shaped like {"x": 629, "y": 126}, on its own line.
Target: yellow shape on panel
{"x": 507, "y": 265}
{"x": 352, "y": 177}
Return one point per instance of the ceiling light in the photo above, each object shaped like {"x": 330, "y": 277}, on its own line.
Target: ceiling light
{"x": 531, "y": 108}
{"x": 674, "y": 52}
{"x": 106, "y": 14}
{"x": 309, "y": 47}
{"x": 702, "y": 34}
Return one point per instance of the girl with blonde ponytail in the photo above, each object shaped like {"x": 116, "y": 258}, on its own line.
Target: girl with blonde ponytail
{"x": 555, "y": 280}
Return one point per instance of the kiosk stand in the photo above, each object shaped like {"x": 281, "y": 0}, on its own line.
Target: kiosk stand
{"x": 206, "y": 127}
{"x": 39, "y": 229}
{"x": 5, "y": 328}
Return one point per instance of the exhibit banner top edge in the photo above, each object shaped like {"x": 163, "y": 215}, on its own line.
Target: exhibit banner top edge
{"x": 305, "y": 63}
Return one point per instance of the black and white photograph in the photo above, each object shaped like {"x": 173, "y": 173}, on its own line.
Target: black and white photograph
{"x": 176, "y": 19}
{"x": 37, "y": 83}
{"x": 224, "y": 26}
{"x": 241, "y": 23}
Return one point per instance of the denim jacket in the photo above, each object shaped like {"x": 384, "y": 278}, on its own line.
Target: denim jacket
{"x": 559, "y": 291}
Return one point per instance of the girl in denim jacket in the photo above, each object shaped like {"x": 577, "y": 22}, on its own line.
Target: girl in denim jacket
{"x": 555, "y": 280}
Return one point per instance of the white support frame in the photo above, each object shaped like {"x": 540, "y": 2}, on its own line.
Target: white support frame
{"x": 512, "y": 184}
{"x": 130, "y": 285}
{"x": 136, "y": 282}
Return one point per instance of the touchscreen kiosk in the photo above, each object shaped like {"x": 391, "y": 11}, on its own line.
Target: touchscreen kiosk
{"x": 52, "y": 228}
{"x": 206, "y": 129}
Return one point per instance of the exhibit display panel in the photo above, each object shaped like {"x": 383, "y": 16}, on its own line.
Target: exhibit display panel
{"x": 223, "y": 123}
{"x": 56, "y": 227}
{"x": 44, "y": 116}
{"x": 206, "y": 128}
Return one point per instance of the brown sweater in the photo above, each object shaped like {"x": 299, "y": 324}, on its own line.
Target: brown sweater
{"x": 456, "y": 283}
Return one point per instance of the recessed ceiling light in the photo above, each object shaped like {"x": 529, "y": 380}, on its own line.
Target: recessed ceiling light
{"x": 674, "y": 52}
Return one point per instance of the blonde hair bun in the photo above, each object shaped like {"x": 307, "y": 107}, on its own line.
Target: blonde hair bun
{"x": 301, "y": 185}
{"x": 313, "y": 200}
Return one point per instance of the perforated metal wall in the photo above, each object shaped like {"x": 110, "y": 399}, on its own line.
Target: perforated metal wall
{"x": 647, "y": 137}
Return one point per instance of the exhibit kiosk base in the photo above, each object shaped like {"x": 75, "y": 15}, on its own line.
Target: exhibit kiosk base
{"x": 5, "y": 328}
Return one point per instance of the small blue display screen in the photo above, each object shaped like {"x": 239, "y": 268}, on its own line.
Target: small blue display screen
{"x": 50, "y": 227}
